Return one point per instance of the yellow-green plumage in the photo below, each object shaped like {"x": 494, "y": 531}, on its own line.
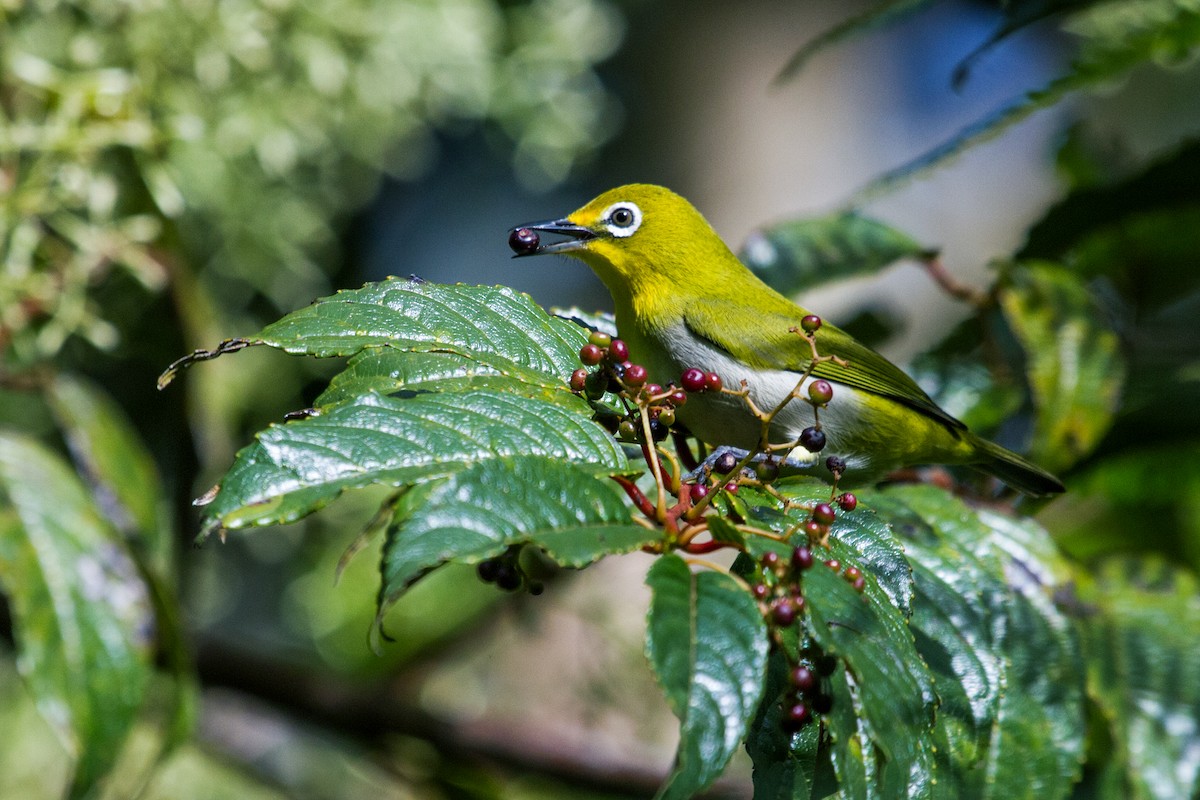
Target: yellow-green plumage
{"x": 683, "y": 299}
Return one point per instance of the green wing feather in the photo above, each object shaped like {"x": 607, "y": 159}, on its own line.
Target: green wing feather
{"x": 775, "y": 347}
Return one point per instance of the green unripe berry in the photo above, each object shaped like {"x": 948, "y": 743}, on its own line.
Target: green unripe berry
{"x": 820, "y": 392}
{"x": 628, "y": 430}
{"x": 600, "y": 339}
{"x": 667, "y": 416}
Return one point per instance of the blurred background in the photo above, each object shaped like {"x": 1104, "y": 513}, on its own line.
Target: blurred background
{"x": 175, "y": 173}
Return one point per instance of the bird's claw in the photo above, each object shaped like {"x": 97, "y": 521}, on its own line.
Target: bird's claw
{"x": 708, "y": 465}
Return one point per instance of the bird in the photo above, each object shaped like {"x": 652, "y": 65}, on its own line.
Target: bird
{"x": 683, "y": 300}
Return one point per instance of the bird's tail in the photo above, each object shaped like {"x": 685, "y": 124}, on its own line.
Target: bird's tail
{"x": 1015, "y": 470}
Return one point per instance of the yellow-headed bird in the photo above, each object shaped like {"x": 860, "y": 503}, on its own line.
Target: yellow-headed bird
{"x": 684, "y": 300}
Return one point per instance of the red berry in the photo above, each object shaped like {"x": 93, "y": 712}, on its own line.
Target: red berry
{"x": 802, "y": 558}
{"x": 860, "y": 583}
{"x": 848, "y": 502}
{"x": 802, "y": 678}
{"x": 783, "y": 612}
{"x": 591, "y": 354}
{"x": 852, "y": 574}
{"x": 796, "y": 716}
{"x": 712, "y": 381}
{"x": 811, "y": 323}
{"x": 770, "y": 559}
{"x": 678, "y": 397}
{"x": 635, "y": 375}
{"x": 578, "y": 377}
{"x": 820, "y": 392}
{"x": 653, "y": 389}
{"x": 823, "y": 513}
{"x": 812, "y": 440}
{"x": 692, "y": 380}
{"x": 731, "y": 487}
{"x": 759, "y": 591}
{"x": 813, "y": 529}
{"x": 618, "y": 350}
{"x": 523, "y": 241}
{"x": 699, "y": 491}
{"x": 834, "y": 564}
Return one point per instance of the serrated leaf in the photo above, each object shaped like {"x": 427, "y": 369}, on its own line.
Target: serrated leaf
{"x": 574, "y": 513}
{"x": 795, "y": 256}
{"x": 491, "y": 324}
{"x": 707, "y": 644}
{"x": 1035, "y": 743}
{"x": 1073, "y": 360}
{"x": 82, "y": 615}
{"x": 295, "y": 468}
{"x": 1142, "y": 621}
{"x": 385, "y": 370}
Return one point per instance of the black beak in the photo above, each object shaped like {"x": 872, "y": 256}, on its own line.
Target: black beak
{"x": 526, "y": 244}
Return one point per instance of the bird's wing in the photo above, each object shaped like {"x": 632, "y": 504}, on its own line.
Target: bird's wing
{"x": 775, "y": 347}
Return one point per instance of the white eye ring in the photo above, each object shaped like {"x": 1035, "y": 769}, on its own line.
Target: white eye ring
{"x": 622, "y": 219}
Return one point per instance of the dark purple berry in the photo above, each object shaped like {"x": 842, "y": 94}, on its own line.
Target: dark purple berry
{"x": 658, "y": 431}
{"x": 523, "y": 241}
{"x": 692, "y": 380}
{"x": 699, "y": 491}
{"x": 712, "y": 382}
{"x": 823, "y": 513}
{"x": 759, "y": 591}
{"x": 835, "y": 465}
{"x": 635, "y": 376}
{"x": 826, "y": 664}
{"x": 848, "y": 502}
{"x": 811, "y": 323}
{"x": 796, "y": 716}
{"x": 820, "y": 392}
{"x": 770, "y": 559}
{"x": 578, "y": 377}
{"x": 783, "y": 612}
{"x": 618, "y": 351}
{"x": 616, "y": 374}
{"x": 802, "y": 678}
{"x": 812, "y": 440}
{"x": 822, "y": 703}
{"x": 487, "y": 570}
{"x": 536, "y": 588}
{"x": 507, "y": 577}
{"x": 802, "y": 558}
{"x": 591, "y": 354}
{"x": 725, "y": 464}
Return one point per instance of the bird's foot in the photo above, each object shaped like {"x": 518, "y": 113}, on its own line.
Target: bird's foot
{"x": 725, "y": 458}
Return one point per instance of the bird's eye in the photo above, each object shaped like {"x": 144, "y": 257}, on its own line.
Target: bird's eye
{"x": 622, "y": 219}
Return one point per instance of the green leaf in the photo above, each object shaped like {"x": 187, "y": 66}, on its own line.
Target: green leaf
{"x": 81, "y": 612}
{"x": 795, "y": 256}
{"x": 1117, "y": 38}
{"x": 385, "y": 370}
{"x": 1007, "y": 572}
{"x": 707, "y": 644}
{"x": 295, "y": 468}
{"x": 880, "y": 15}
{"x": 112, "y": 457}
{"x": 785, "y": 765}
{"x": 1142, "y": 622}
{"x": 493, "y": 325}
{"x": 1073, "y": 361}
{"x": 576, "y": 515}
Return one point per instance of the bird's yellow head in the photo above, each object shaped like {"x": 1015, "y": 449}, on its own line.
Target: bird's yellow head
{"x": 638, "y": 238}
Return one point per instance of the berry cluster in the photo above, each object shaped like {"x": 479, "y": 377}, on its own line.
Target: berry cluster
{"x": 779, "y": 590}
{"x": 822, "y": 515}
{"x": 506, "y": 572}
